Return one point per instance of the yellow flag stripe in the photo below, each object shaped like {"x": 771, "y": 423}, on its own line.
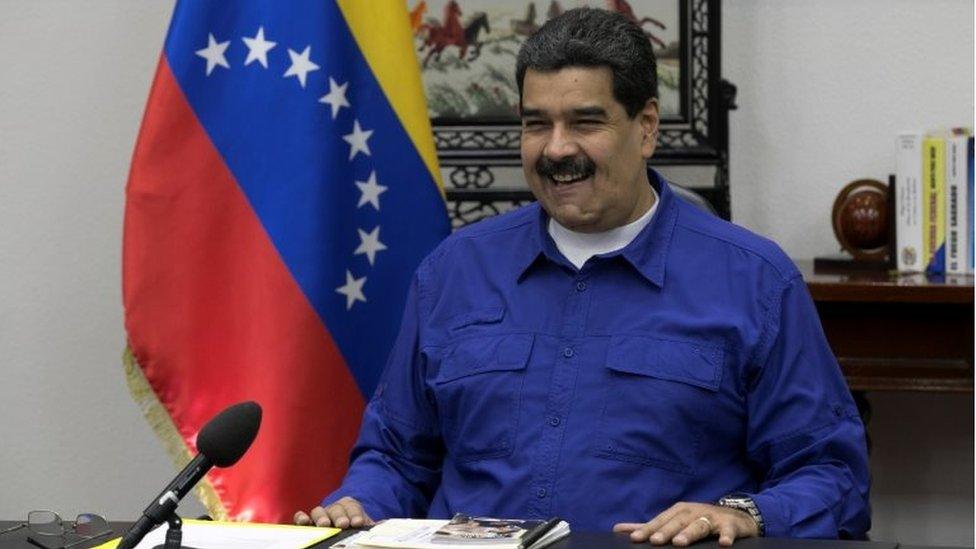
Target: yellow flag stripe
{"x": 382, "y": 32}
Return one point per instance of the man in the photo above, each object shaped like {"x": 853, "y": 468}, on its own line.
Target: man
{"x": 610, "y": 350}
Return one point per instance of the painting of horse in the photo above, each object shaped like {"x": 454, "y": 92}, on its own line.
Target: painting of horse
{"x": 467, "y": 51}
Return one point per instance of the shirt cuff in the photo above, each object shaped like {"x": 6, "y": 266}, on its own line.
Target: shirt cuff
{"x": 775, "y": 521}
{"x": 371, "y": 510}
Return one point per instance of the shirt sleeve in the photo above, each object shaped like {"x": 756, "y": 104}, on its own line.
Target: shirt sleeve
{"x": 805, "y": 438}
{"x": 395, "y": 463}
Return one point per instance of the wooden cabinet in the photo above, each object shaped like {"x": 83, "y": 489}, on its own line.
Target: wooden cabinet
{"x": 897, "y": 331}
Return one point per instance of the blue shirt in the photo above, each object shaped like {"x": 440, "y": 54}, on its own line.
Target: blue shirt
{"x": 686, "y": 366}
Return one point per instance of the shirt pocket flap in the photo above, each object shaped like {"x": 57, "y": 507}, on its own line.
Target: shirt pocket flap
{"x": 485, "y": 354}
{"x": 695, "y": 364}
{"x": 485, "y": 315}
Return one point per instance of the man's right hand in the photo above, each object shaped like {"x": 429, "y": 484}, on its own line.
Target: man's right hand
{"x": 344, "y": 513}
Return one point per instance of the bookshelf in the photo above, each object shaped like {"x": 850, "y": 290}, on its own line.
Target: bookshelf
{"x": 897, "y": 332}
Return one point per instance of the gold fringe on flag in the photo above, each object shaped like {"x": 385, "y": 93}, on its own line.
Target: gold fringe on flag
{"x": 162, "y": 424}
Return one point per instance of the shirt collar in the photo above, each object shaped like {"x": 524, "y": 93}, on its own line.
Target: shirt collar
{"x": 647, "y": 252}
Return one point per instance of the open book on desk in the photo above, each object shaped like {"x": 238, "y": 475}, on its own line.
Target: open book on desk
{"x": 461, "y": 532}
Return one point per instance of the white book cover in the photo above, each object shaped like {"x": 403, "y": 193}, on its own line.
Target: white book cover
{"x": 908, "y": 202}
{"x": 956, "y": 199}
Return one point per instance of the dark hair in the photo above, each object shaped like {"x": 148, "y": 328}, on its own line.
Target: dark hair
{"x": 591, "y": 37}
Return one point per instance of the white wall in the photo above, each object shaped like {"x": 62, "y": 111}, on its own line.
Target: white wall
{"x": 823, "y": 87}
{"x": 73, "y": 83}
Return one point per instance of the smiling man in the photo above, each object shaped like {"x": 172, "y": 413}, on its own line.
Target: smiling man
{"x": 610, "y": 354}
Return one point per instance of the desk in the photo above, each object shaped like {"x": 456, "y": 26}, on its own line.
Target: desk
{"x": 895, "y": 332}
{"x": 577, "y": 540}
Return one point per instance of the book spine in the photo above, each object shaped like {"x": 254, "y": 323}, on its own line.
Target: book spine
{"x": 970, "y": 251}
{"x": 908, "y": 201}
{"x": 957, "y": 231}
{"x": 933, "y": 203}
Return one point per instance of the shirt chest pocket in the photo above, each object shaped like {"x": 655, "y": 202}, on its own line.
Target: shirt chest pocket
{"x": 658, "y": 395}
{"x": 478, "y": 390}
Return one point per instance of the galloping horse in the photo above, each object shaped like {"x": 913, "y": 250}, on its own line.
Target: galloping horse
{"x": 622, "y": 7}
{"x": 439, "y": 37}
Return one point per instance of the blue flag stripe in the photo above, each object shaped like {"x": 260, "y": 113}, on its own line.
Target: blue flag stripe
{"x": 291, "y": 159}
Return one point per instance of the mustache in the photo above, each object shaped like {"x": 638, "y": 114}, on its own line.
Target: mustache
{"x": 564, "y": 166}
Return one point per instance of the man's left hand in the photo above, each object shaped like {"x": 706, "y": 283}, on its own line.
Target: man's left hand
{"x": 685, "y": 523}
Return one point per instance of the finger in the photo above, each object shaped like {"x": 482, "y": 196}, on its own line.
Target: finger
{"x": 664, "y": 517}
{"x": 337, "y": 514}
{"x": 645, "y": 531}
{"x": 693, "y": 531}
{"x": 302, "y": 519}
{"x": 726, "y": 535}
{"x": 666, "y": 533}
{"x": 624, "y": 527}
{"x": 353, "y": 510}
{"x": 320, "y": 517}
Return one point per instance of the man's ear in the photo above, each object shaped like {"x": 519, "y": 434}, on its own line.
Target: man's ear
{"x": 649, "y": 118}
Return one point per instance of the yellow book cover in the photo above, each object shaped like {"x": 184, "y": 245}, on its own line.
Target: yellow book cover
{"x": 933, "y": 202}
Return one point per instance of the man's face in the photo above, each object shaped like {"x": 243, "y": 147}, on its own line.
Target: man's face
{"x": 583, "y": 158}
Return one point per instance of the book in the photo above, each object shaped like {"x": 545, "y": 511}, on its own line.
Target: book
{"x": 956, "y": 204}
{"x": 462, "y": 532}
{"x": 908, "y": 201}
{"x": 933, "y": 203}
{"x": 971, "y": 252}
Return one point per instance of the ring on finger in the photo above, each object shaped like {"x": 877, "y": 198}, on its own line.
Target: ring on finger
{"x": 707, "y": 522}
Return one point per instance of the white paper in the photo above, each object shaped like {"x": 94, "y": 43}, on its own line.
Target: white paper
{"x": 236, "y": 535}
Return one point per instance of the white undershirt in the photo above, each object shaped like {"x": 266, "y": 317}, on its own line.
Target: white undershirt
{"x": 579, "y": 247}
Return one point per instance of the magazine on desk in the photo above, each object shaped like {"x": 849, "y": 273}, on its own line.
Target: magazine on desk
{"x": 461, "y": 532}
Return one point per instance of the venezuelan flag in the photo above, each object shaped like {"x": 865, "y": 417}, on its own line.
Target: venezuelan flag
{"x": 284, "y": 187}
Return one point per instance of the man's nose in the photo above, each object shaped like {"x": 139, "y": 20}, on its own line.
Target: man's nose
{"x": 561, "y": 144}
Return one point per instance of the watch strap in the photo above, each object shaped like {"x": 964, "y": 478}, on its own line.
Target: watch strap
{"x": 744, "y": 503}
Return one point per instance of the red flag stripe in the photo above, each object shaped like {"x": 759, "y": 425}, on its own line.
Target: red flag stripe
{"x": 202, "y": 269}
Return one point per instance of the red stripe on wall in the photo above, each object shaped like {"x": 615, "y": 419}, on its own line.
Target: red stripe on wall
{"x": 214, "y": 317}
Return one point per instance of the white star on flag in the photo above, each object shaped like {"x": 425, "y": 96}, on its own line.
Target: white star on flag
{"x": 357, "y": 140}
{"x": 371, "y": 191}
{"x": 369, "y": 244}
{"x": 257, "y": 48}
{"x": 301, "y": 65}
{"x": 214, "y": 53}
{"x": 336, "y": 98}
{"x": 352, "y": 289}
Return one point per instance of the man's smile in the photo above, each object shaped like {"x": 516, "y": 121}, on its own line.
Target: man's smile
{"x": 566, "y": 171}
{"x": 567, "y": 179}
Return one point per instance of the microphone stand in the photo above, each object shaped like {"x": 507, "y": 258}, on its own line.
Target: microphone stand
{"x": 174, "y": 534}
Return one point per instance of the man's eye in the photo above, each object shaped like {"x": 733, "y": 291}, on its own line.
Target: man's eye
{"x": 532, "y": 123}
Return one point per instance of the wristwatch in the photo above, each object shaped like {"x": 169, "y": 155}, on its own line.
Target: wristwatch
{"x": 744, "y": 503}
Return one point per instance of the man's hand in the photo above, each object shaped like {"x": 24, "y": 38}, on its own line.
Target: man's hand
{"x": 344, "y": 513}
{"x": 685, "y": 523}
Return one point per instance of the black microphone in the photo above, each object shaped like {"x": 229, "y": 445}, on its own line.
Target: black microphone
{"x": 221, "y": 442}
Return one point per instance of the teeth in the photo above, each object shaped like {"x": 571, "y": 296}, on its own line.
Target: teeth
{"x": 567, "y": 178}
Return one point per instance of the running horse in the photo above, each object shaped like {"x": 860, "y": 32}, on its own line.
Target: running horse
{"x": 451, "y": 33}
{"x": 623, "y": 7}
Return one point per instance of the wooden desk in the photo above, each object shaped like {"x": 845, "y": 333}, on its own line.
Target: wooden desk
{"x": 576, "y": 540}
{"x": 894, "y": 332}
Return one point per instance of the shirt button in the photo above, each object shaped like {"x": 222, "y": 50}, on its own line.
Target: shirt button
{"x": 554, "y": 421}
{"x": 581, "y": 286}
{"x": 568, "y": 352}
{"x": 540, "y": 493}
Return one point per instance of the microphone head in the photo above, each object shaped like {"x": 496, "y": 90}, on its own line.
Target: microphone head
{"x": 225, "y": 438}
